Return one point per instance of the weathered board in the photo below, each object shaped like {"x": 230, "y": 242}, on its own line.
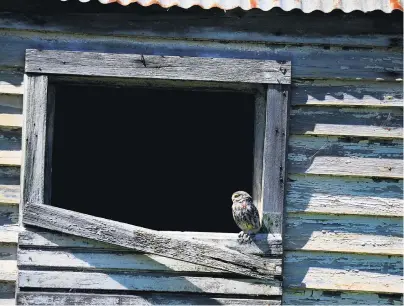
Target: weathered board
{"x": 111, "y": 260}
{"x": 274, "y": 157}
{"x": 319, "y": 297}
{"x": 263, "y": 244}
{"x": 224, "y": 27}
{"x": 344, "y": 195}
{"x": 350, "y": 234}
{"x": 37, "y": 298}
{"x": 311, "y": 270}
{"x": 145, "y": 240}
{"x": 157, "y": 67}
{"x": 345, "y": 64}
{"x": 343, "y": 93}
{"x": 376, "y": 123}
{"x": 146, "y": 282}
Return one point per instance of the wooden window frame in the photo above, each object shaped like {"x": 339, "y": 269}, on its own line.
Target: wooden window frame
{"x": 270, "y": 82}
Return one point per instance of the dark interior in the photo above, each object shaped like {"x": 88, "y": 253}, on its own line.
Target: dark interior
{"x": 161, "y": 159}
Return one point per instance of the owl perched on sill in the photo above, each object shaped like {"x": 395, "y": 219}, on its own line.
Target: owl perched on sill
{"x": 245, "y": 214}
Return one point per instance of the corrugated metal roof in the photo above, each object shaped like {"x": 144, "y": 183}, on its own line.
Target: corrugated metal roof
{"x": 306, "y": 6}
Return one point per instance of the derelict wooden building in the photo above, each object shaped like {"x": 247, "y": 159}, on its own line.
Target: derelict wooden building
{"x": 337, "y": 75}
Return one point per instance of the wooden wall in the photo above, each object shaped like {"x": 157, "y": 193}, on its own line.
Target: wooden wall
{"x": 343, "y": 237}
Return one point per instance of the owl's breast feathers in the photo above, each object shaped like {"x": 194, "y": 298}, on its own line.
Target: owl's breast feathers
{"x": 246, "y": 216}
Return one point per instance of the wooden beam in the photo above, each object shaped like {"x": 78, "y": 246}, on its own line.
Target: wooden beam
{"x": 157, "y": 67}
{"x": 146, "y": 282}
{"x": 262, "y": 245}
{"x": 34, "y": 143}
{"x": 148, "y": 241}
{"x": 274, "y": 157}
{"x": 54, "y": 298}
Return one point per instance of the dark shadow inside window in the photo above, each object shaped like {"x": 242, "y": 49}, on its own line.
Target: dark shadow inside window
{"x": 161, "y": 159}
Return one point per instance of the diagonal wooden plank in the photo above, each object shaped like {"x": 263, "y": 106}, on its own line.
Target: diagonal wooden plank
{"x": 148, "y": 241}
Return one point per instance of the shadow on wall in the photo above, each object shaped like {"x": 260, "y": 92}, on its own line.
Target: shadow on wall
{"x": 105, "y": 269}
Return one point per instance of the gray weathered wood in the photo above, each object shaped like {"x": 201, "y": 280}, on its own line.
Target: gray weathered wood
{"x": 145, "y": 240}
{"x": 253, "y": 25}
{"x": 343, "y": 93}
{"x": 319, "y": 297}
{"x": 8, "y": 264}
{"x": 34, "y": 135}
{"x": 146, "y": 282}
{"x": 9, "y": 233}
{"x": 88, "y": 260}
{"x": 10, "y": 140}
{"x": 274, "y": 157}
{"x": 351, "y": 166}
{"x": 301, "y": 149}
{"x": 359, "y": 157}
{"x": 12, "y": 101}
{"x": 7, "y": 293}
{"x": 40, "y": 298}
{"x": 344, "y": 196}
{"x": 344, "y": 272}
{"x": 50, "y": 119}
{"x": 259, "y": 142}
{"x": 376, "y": 123}
{"x": 9, "y": 192}
{"x": 344, "y": 64}
{"x": 263, "y": 244}
{"x": 346, "y": 234}
{"x": 157, "y": 67}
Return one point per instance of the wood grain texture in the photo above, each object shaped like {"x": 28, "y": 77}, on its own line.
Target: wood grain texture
{"x": 7, "y": 293}
{"x": 302, "y": 149}
{"x": 376, "y": 123}
{"x": 263, "y": 245}
{"x": 9, "y": 192}
{"x": 343, "y": 272}
{"x": 34, "y": 135}
{"x": 145, "y": 240}
{"x": 344, "y": 196}
{"x": 259, "y": 142}
{"x": 320, "y": 297}
{"x": 146, "y": 282}
{"x": 344, "y": 64}
{"x": 12, "y": 101}
{"x": 224, "y": 27}
{"x": 275, "y": 154}
{"x": 8, "y": 264}
{"x": 11, "y": 82}
{"x": 157, "y": 67}
{"x": 345, "y": 156}
{"x": 8, "y": 224}
{"x": 40, "y": 298}
{"x": 347, "y": 234}
{"x": 343, "y": 93}
{"x": 87, "y": 260}
{"x": 9, "y": 233}
{"x": 351, "y": 166}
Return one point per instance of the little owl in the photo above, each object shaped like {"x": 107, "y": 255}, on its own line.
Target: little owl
{"x": 245, "y": 214}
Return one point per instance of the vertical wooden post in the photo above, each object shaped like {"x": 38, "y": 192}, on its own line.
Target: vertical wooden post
{"x": 275, "y": 154}
{"x": 34, "y": 175}
{"x": 259, "y": 138}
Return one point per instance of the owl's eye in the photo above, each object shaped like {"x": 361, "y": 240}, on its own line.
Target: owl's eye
{"x": 236, "y": 196}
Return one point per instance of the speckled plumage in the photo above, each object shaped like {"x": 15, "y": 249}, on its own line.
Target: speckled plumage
{"x": 245, "y": 214}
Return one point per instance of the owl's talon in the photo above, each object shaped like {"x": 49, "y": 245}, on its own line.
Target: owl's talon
{"x": 241, "y": 234}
